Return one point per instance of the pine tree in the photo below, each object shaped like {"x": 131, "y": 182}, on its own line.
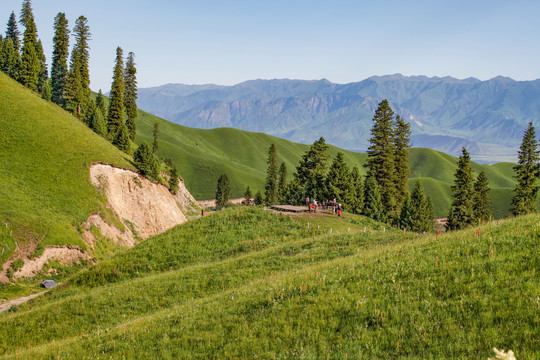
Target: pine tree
{"x": 30, "y": 63}
{"x": 115, "y": 118}
{"x": 223, "y": 191}
{"x": 357, "y": 191}
{"x": 338, "y": 182}
{"x": 402, "y": 135}
{"x": 247, "y": 196}
{"x": 73, "y": 92}
{"x": 461, "y": 212}
{"x": 100, "y": 104}
{"x": 130, "y": 94}
{"x": 294, "y": 193}
{"x": 258, "y": 198}
{"x": 59, "y": 66}
{"x": 173, "y": 180}
{"x": 271, "y": 184}
{"x": 405, "y": 217}
{"x": 373, "y": 206}
{"x": 311, "y": 171}
{"x": 46, "y": 91}
{"x": 155, "y": 144}
{"x": 282, "y": 184}
{"x": 144, "y": 161}
{"x": 11, "y": 61}
{"x": 96, "y": 120}
{"x": 43, "y": 75}
{"x": 481, "y": 201}
{"x": 380, "y": 161}
{"x": 420, "y": 211}
{"x": 526, "y": 171}
{"x": 121, "y": 139}
{"x": 81, "y": 51}
{"x": 13, "y": 32}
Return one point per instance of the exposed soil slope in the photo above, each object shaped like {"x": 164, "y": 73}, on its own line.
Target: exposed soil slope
{"x": 150, "y": 207}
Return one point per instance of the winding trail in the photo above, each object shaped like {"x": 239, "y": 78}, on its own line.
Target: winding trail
{"x": 5, "y": 306}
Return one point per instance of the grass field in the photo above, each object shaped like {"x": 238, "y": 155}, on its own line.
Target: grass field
{"x": 245, "y": 283}
{"x": 45, "y": 156}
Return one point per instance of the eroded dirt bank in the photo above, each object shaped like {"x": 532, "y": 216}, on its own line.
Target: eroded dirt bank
{"x": 150, "y": 207}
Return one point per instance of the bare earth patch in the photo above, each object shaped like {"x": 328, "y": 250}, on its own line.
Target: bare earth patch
{"x": 149, "y": 206}
{"x": 65, "y": 254}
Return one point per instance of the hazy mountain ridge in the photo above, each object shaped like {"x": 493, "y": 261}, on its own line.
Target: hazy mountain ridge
{"x": 482, "y": 115}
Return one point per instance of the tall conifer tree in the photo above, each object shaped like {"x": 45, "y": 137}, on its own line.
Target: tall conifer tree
{"x": 338, "y": 181}
{"x": 130, "y": 94}
{"x": 121, "y": 139}
{"x": 420, "y": 212}
{"x": 357, "y": 198}
{"x": 11, "y": 62}
{"x": 271, "y": 184}
{"x": 155, "y": 144}
{"x": 30, "y": 64}
{"x": 59, "y": 66}
{"x": 311, "y": 171}
{"x": 13, "y": 32}
{"x": 282, "y": 184}
{"x": 100, "y": 103}
{"x": 461, "y": 212}
{"x": 380, "y": 161}
{"x": 73, "y": 88}
{"x": 43, "y": 75}
{"x": 247, "y": 196}
{"x": 402, "y": 136}
{"x": 481, "y": 198}
{"x": 526, "y": 171}
{"x": 223, "y": 191}
{"x": 373, "y": 206}
{"x": 116, "y": 105}
{"x": 81, "y": 51}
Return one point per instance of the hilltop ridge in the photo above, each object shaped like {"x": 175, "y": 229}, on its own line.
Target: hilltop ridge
{"x": 488, "y": 116}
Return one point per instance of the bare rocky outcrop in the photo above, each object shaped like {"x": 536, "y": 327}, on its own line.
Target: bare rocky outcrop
{"x": 146, "y": 206}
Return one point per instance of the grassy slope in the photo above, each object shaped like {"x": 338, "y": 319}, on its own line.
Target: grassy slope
{"x": 202, "y": 155}
{"x": 45, "y": 155}
{"x": 245, "y": 283}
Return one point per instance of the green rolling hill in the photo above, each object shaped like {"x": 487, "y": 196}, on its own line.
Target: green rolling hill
{"x": 203, "y": 155}
{"x": 245, "y": 283}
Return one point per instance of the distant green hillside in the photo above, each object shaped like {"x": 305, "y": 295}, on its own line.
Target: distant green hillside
{"x": 245, "y": 283}
{"x": 45, "y": 156}
{"x": 202, "y": 155}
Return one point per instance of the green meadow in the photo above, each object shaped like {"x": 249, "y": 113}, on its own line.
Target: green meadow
{"x": 45, "y": 157}
{"x": 245, "y": 283}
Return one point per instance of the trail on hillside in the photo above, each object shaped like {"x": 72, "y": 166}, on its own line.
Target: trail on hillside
{"x": 14, "y": 302}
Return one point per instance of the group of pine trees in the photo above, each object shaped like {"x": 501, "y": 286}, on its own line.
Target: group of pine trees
{"x": 69, "y": 84}
{"x": 383, "y": 195}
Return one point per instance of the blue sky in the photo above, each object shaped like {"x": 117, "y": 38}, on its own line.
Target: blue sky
{"x": 227, "y": 42}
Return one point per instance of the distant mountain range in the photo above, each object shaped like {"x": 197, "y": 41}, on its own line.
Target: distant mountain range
{"x": 487, "y": 117}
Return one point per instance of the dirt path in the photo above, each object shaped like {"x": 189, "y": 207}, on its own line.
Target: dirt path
{"x": 5, "y": 306}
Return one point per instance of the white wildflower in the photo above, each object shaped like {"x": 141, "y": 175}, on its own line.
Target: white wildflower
{"x": 501, "y": 355}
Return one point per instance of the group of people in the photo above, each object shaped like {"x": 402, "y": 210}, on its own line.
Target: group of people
{"x": 326, "y": 204}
